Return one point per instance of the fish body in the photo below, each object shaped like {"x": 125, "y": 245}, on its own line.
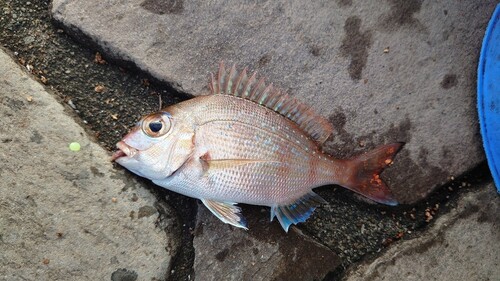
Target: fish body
{"x": 247, "y": 142}
{"x": 254, "y": 155}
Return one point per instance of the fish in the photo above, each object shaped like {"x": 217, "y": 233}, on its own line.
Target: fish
{"x": 248, "y": 142}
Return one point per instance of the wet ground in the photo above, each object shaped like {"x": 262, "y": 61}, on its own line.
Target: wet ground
{"x": 110, "y": 96}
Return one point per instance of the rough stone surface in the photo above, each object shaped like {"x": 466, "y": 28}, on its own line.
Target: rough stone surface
{"x": 381, "y": 71}
{"x": 462, "y": 245}
{"x": 67, "y": 215}
{"x": 264, "y": 252}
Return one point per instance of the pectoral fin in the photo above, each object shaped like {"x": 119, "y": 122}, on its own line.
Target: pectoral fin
{"x": 226, "y": 212}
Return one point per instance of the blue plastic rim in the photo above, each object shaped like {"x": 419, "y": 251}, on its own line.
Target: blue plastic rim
{"x": 488, "y": 94}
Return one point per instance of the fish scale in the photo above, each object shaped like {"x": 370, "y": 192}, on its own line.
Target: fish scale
{"x": 285, "y": 179}
{"x": 248, "y": 142}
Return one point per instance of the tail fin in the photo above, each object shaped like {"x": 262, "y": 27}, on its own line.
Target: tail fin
{"x": 366, "y": 169}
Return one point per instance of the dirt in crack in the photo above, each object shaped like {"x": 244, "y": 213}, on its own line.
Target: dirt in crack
{"x": 421, "y": 215}
{"x": 182, "y": 263}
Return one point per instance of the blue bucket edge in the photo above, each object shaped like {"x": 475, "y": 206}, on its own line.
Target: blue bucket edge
{"x": 495, "y": 18}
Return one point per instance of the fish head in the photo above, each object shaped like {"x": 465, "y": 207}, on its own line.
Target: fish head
{"x": 157, "y": 146}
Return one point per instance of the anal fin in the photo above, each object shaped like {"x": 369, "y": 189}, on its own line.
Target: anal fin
{"x": 226, "y": 212}
{"x": 298, "y": 211}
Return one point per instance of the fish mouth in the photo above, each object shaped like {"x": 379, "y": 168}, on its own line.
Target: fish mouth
{"x": 124, "y": 150}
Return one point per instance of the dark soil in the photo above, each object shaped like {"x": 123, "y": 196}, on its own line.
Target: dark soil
{"x": 353, "y": 229}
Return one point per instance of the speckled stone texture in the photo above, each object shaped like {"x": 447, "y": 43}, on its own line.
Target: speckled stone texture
{"x": 461, "y": 245}
{"x": 68, "y": 215}
{"x": 381, "y": 71}
{"x": 264, "y": 252}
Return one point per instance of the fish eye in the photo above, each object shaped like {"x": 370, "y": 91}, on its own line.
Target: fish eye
{"x": 156, "y": 125}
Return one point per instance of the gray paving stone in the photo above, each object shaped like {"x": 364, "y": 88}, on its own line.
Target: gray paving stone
{"x": 67, "y": 215}
{"x": 381, "y": 71}
{"x": 461, "y": 245}
{"x": 264, "y": 252}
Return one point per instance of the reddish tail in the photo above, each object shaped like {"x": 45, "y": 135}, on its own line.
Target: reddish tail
{"x": 366, "y": 169}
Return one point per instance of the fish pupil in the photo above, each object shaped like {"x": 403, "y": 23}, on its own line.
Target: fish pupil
{"x": 155, "y": 127}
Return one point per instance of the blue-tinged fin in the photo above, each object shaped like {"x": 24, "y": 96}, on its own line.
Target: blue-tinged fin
{"x": 226, "y": 212}
{"x": 298, "y": 211}
{"x": 240, "y": 84}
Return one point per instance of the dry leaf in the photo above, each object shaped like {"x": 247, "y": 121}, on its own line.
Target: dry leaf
{"x": 98, "y": 59}
{"x": 99, "y": 88}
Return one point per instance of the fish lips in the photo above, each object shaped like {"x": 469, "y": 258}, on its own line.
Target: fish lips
{"x": 128, "y": 157}
{"x": 124, "y": 150}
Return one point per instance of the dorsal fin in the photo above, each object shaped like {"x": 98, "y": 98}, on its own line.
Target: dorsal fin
{"x": 239, "y": 84}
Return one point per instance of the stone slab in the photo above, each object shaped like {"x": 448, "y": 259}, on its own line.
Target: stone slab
{"x": 264, "y": 252}
{"x": 68, "y": 215}
{"x": 381, "y": 71}
{"x": 461, "y": 245}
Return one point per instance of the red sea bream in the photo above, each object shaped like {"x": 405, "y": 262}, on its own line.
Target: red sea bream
{"x": 248, "y": 142}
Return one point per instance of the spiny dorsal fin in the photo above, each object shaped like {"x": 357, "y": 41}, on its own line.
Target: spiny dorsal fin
{"x": 239, "y": 84}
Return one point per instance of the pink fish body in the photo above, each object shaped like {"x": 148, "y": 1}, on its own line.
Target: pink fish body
{"x": 249, "y": 143}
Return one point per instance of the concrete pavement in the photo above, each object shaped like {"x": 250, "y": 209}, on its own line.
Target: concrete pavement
{"x": 222, "y": 252}
{"x": 381, "y": 71}
{"x": 68, "y": 215}
{"x": 461, "y": 245}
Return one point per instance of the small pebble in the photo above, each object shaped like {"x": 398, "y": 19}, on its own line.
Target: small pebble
{"x": 70, "y": 103}
{"x": 428, "y": 215}
{"x": 74, "y": 146}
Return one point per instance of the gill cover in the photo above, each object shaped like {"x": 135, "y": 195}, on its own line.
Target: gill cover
{"x": 163, "y": 144}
